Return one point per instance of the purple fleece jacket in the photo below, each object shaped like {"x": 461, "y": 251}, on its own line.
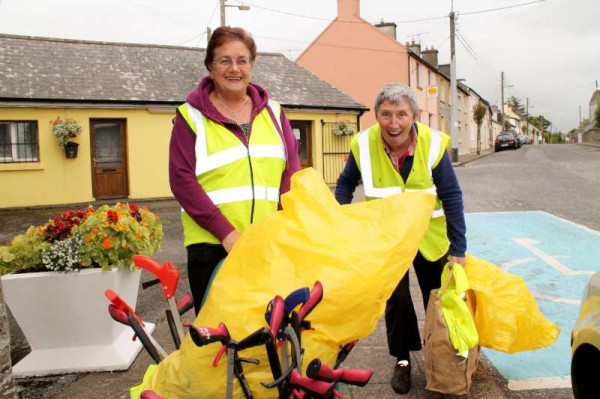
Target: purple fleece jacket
{"x": 182, "y": 157}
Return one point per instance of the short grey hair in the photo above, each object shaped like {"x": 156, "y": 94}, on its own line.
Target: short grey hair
{"x": 394, "y": 93}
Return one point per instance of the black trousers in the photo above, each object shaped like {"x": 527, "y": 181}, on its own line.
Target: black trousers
{"x": 400, "y": 317}
{"x": 202, "y": 261}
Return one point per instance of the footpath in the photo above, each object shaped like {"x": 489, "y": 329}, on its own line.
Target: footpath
{"x": 369, "y": 353}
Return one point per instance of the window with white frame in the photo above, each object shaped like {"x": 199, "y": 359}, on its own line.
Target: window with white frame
{"x": 19, "y": 141}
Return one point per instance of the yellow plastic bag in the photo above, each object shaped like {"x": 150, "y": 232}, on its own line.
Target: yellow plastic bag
{"x": 507, "y": 316}
{"x": 359, "y": 252}
{"x": 136, "y": 391}
{"x": 458, "y": 317}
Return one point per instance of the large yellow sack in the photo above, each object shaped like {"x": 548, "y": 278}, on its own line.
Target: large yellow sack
{"x": 359, "y": 252}
{"x": 507, "y": 316}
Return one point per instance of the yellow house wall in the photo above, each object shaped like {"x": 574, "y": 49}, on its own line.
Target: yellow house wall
{"x": 57, "y": 180}
{"x": 328, "y": 151}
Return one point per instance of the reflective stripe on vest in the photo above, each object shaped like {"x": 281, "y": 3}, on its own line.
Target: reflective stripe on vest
{"x": 214, "y": 161}
{"x": 382, "y": 192}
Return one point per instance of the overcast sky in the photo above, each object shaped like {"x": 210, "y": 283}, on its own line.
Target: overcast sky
{"x": 549, "y": 50}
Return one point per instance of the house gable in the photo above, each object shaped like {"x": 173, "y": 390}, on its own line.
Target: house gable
{"x": 356, "y": 57}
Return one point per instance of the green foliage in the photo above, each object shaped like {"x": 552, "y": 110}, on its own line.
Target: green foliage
{"x": 479, "y": 111}
{"x": 65, "y": 130}
{"x": 515, "y": 103}
{"x": 107, "y": 237}
{"x": 342, "y": 128}
{"x": 24, "y": 253}
{"x": 597, "y": 116}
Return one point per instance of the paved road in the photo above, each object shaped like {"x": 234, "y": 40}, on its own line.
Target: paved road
{"x": 532, "y": 178}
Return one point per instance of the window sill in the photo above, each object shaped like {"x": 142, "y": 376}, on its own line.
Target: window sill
{"x": 10, "y": 167}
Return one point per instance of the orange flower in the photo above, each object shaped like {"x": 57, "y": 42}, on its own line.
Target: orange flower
{"x": 89, "y": 238}
{"x": 107, "y": 244}
{"x": 95, "y": 229}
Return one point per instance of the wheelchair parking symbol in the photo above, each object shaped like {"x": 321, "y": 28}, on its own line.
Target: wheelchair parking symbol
{"x": 556, "y": 258}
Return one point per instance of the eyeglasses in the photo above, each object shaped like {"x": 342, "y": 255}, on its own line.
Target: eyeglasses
{"x": 227, "y": 62}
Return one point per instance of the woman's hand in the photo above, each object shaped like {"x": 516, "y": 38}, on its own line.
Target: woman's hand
{"x": 456, "y": 259}
{"x": 229, "y": 240}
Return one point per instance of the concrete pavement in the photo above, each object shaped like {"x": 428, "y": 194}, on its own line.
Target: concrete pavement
{"x": 370, "y": 352}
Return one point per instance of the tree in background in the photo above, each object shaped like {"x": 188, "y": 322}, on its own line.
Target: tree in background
{"x": 597, "y": 116}
{"x": 479, "y": 111}
{"x": 507, "y": 125}
{"x": 540, "y": 120}
{"x": 515, "y": 104}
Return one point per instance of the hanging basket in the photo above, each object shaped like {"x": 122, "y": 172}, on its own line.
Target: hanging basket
{"x": 71, "y": 149}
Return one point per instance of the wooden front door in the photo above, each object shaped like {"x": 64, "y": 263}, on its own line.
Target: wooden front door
{"x": 302, "y": 131}
{"x": 109, "y": 159}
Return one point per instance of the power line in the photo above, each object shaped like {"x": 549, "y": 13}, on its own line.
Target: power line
{"x": 503, "y": 8}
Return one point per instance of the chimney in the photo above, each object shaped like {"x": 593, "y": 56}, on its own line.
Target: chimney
{"x": 348, "y": 9}
{"x": 430, "y": 56}
{"x": 414, "y": 47}
{"x": 389, "y": 28}
{"x": 445, "y": 69}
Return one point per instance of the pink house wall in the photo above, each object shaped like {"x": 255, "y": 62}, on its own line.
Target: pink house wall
{"x": 356, "y": 57}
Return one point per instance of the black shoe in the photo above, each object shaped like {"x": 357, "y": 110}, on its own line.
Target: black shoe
{"x": 401, "y": 379}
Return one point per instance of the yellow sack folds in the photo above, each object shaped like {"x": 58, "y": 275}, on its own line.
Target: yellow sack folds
{"x": 359, "y": 252}
{"x": 507, "y": 316}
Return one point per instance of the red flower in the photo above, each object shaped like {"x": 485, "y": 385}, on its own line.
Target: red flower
{"x": 112, "y": 216}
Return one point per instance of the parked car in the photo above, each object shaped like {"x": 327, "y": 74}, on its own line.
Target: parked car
{"x": 526, "y": 139}
{"x": 506, "y": 139}
{"x": 585, "y": 344}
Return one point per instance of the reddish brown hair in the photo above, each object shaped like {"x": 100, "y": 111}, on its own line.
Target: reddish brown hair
{"x": 225, "y": 34}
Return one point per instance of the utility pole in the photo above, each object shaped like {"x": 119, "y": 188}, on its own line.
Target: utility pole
{"x": 223, "y": 5}
{"x": 453, "y": 89}
{"x": 527, "y": 117}
{"x": 502, "y": 97}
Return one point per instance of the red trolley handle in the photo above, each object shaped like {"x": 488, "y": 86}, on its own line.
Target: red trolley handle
{"x": 120, "y": 304}
{"x": 167, "y": 273}
{"x": 315, "y": 297}
{"x": 323, "y": 372}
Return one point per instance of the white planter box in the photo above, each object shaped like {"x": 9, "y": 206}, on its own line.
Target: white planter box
{"x": 64, "y": 317}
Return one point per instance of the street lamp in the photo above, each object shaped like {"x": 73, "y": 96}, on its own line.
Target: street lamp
{"x": 242, "y": 7}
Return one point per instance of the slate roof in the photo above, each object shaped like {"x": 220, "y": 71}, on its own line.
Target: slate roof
{"x": 42, "y": 69}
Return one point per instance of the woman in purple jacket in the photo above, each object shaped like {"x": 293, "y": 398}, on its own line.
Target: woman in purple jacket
{"x": 232, "y": 154}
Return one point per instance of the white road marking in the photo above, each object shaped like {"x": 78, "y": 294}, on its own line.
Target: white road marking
{"x": 507, "y": 265}
{"x": 555, "y": 298}
{"x": 540, "y": 383}
{"x": 552, "y": 261}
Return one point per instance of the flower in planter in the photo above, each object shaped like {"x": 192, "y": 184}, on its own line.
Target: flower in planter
{"x": 112, "y": 235}
{"x": 65, "y": 130}
{"x": 106, "y": 237}
{"x": 342, "y": 128}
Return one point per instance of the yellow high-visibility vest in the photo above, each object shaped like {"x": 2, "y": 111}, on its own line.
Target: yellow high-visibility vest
{"x": 242, "y": 181}
{"x": 381, "y": 179}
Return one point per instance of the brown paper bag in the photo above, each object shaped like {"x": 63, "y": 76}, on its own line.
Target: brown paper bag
{"x": 446, "y": 372}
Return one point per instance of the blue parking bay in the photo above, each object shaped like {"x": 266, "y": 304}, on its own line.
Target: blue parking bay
{"x": 556, "y": 258}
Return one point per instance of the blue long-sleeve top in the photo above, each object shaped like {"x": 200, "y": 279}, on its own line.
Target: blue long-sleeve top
{"x": 448, "y": 191}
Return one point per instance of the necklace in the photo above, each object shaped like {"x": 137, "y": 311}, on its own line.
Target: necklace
{"x": 233, "y": 111}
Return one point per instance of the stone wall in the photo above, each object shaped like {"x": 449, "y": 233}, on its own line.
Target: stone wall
{"x": 591, "y": 136}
